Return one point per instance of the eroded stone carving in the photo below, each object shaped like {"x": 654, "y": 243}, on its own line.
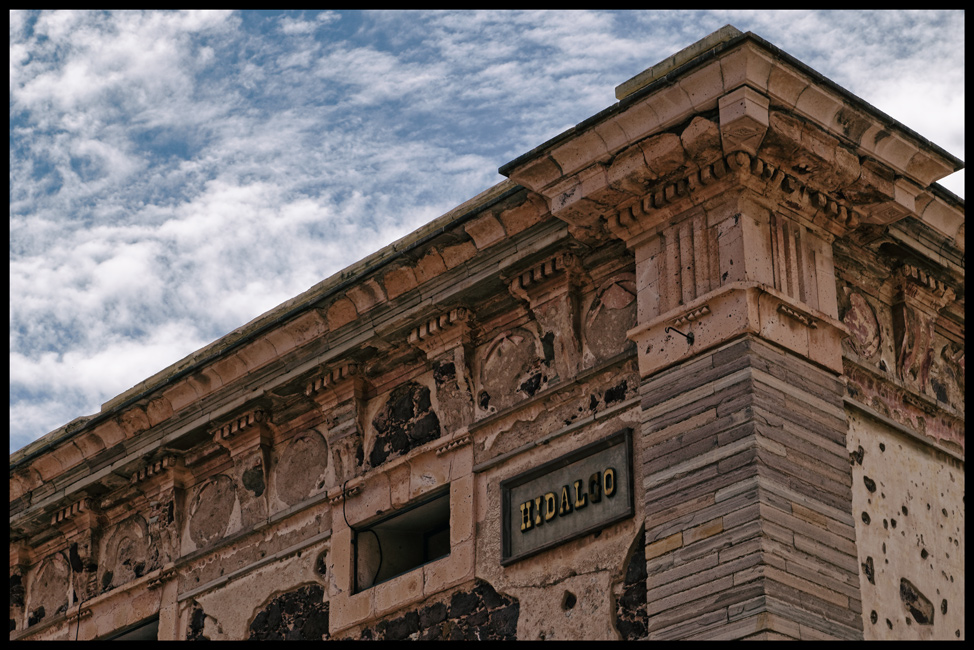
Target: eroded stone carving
{"x": 612, "y": 314}
{"x": 302, "y": 468}
{"x": 863, "y": 325}
{"x": 127, "y": 553}
{"x": 211, "y": 509}
{"x": 516, "y": 365}
{"x": 49, "y": 589}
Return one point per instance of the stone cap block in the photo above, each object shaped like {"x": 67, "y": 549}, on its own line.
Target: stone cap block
{"x": 669, "y": 64}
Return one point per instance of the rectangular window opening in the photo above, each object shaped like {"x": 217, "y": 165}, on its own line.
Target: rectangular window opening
{"x": 147, "y": 630}
{"x": 403, "y": 541}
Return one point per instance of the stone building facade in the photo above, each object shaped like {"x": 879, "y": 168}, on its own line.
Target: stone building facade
{"x": 694, "y": 371}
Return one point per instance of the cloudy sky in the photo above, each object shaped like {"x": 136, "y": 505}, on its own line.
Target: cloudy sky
{"x": 174, "y": 175}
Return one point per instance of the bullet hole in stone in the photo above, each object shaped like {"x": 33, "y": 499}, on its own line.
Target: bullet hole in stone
{"x": 548, "y": 346}
{"x": 76, "y": 564}
{"x": 869, "y": 483}
{"x": 869, "y": 570}
{"x": 321, "y": 566}
{"x": 943, "y": 606}
{"x": 865, "y": 518}
{"x": 873, "y": 617}
{"x": 944, "y": 510}
{"x": 908, "y": 621}
{"x": 857, "y": 455}
{"x": 957, "y": 633}
{"x": 882, "y": 447}
{"x": 905, "y": 511}
{"x": 484, "y": 400}
{"x": 916, "y": 603}
{"x": 892, "y": 522}
{"x": 885, "y": 524}
{"x": 531, "y": 385}
{"x": 889, "y": 624}
{"x": 928, "y": 506}
{"x": 884, "y": 547}
{"x": 253, "y": 480}
{"x": 923, "y": 553}
{"x": 568, "y": 601}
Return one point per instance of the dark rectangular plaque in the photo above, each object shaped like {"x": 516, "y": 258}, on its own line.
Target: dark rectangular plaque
{"x": 568, "y": 497}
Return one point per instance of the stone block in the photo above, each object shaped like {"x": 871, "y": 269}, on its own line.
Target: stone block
{"x": 639, "y": 120}
{"x": 454, "y": 256}
{"x": 340, "y": 313}
{"x": 701, "y": 141}
{"x": 744, "y": 120}
{"x": 232, "y": 366}
{"x": 672, "y": 105}
{"x": 462, "y": 510}
{"x": 485, "y": 230}
{"x": 456, "y": 568}
{"x": 703, "y": 86}
{"x": 815, "y": 103}
{"x": 579, "y": 152}
{"x": 398, "y": 281}
{"x": 537, "y": 174}
{"x": 703, "y": 531}
{"x": 429, "y": 266}
{"x": 399, "y": 591}
{"x": 180, "y": 395}
{"x": 306, "y": 327}
{"x": 612, "y": 135}
{"x": 629, "y": 172}
{"x": 785, "y": 86}
{"x": 365, "y": 295}
{"x": 664, "y": 154}
{"x": 665, "y": 545}
{"x": 158, "y": 410}
{"x": 746, "y": 66}
{"x": 522, "y": 217}
{"x": 134, "y": 420}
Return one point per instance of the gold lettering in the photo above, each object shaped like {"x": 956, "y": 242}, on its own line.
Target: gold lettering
{"x": 609, "y": 482}
{"x": 595, "y": 487}
{"x": 538, "y": 518}
{"x": 550, "y": 506}
{"x": 566, "y": 502}
{"x": 526, "y": 523}
{"x": 580, "y": 499}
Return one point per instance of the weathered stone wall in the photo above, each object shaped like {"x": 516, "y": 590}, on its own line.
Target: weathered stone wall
{"x": 909, "y": 507}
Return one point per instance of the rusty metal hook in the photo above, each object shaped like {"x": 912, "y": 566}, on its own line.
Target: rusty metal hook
{"x": 688, "y": 336}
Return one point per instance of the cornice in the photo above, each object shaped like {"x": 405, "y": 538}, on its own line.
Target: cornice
{"x": 818, "y": 207}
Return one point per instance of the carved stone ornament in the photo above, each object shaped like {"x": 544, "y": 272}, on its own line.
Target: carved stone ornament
{"x": 860, "y": 318}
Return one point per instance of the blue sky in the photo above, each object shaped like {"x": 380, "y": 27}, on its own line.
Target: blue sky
{"x": 173, "y": 175}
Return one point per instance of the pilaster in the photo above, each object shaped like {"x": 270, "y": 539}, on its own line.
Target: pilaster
{"x": 550, "y": 291}
{"x": 248, "y": 438}
{"x": 340, "y": 393}
{"x": 446, "y": 342}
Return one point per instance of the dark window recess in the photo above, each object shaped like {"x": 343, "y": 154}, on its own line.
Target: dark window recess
{"x": 144, "y": 631}
{"x": 407, "y": 539}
